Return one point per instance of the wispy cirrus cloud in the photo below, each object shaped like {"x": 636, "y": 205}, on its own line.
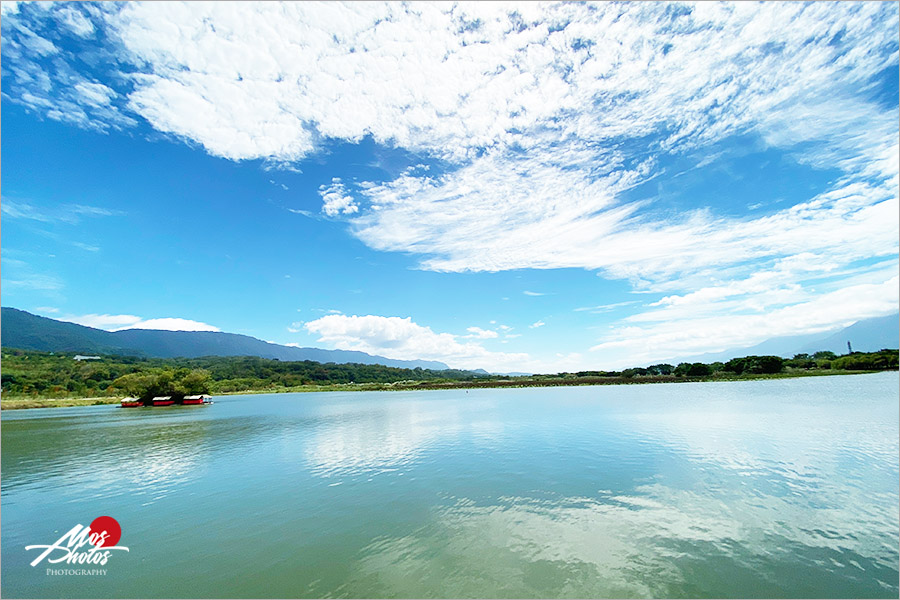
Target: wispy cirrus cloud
{"x": 40, "y": 282}
{"x": 19, "y": 274}
{"x": 852, "y": 220}
{"x": 71, "y": 214}
{"x": 602, "y": 308}
{"x": 481, "y": 334}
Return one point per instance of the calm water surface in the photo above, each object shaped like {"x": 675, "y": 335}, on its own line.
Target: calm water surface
{"x": 749, "y": 489}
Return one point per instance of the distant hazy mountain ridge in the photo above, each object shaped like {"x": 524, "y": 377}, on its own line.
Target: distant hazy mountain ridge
{"x": 868, "y": 335}
{"x": 21, "y": 329}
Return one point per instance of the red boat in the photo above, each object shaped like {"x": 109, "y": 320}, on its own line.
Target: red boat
{"x": 196, "y": 400}
{"x": 131, "y": 402}
{"x": 163, "y": 401}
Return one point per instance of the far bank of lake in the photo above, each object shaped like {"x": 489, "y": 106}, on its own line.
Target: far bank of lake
{"x": 17, "y": 403}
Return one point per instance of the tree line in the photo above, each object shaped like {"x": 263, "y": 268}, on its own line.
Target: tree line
{"x": 53, "y": 375}
{"x": 825, "y": 360}
{"x": 45, "y": 374}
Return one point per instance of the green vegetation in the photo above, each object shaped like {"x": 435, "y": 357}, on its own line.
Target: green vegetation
{"x": 873, "y": 361}
{"x": 55, "y": 403}
{"x": 32, "y": 374}
{"x": 31, "y": 379}
{"x": 164, "y": 382}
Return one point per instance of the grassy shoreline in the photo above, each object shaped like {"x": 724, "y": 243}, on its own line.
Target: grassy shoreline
{"x": 521, "y": 382}
{"x": 20, "y": 403}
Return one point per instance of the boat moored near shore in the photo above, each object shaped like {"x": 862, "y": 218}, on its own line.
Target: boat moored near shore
{"x": 196, "y": 400}
{"x": 163, "y": 401}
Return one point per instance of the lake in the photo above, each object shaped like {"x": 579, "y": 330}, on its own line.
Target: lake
{"x": 776, "y": 488}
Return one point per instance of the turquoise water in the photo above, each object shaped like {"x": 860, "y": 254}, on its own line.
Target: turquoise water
{"x": 785, "y": 488}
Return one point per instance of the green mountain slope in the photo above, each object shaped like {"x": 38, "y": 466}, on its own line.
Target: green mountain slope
{"x": 21, "y": 329}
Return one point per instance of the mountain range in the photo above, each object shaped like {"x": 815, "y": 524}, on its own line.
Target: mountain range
{"x": 21, "y": 329}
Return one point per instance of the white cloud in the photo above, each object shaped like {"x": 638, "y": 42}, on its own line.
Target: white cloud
{"x": 335, "y": 200}
{"x": 35, "y": 281}
{"x": 121, "y": 322}
{"x": 267, "y": 80}
{"x": 602, "y": 308}
{"x": 86, "y": 247}
{"x": 271, "y": 78}
{"x": 530, "y": 293}
{"x": 537, "y": 324}
{"x": 469, "y": 233}
{"x": 76, "y": 21}
{"x": 482, "y": 334}
{"x": 171, "y": 324}
{"x": 21, "y": 210}
{"x": 648, "y": 338}
{"x": 21, "y": 275}
{"x": 66, "y": 213}
{"x": 401, "y": 338}
{"x": 51, "y": 79}
{"x": 109, "y": 322}
{"x": 95, "y": 93}
{"x": 544, "y": 116}
{"x": 9, "y": 8}
{"x": 91, "y": 211}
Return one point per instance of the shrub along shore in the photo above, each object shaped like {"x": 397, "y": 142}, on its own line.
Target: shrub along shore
{"x": 40, "y": 379}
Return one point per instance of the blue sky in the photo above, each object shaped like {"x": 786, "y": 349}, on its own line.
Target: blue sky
{"x": 521, "y": 187}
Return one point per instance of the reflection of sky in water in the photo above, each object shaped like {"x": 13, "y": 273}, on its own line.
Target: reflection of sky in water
{"x": 384, "y": 438}
{"x": 810, "y": 489}
{"x": 774, "y": 488}
{"x": 659, "y": 542}
{"x": 93, "y": 460}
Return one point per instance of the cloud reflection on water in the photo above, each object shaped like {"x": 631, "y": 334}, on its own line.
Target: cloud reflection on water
{"x": 395, "y": 434}
{"x": 660, "y": 542}
{"x": 759, "y": 482}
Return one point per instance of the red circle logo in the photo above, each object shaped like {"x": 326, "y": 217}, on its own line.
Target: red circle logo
{"x": 107, "y": 525}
